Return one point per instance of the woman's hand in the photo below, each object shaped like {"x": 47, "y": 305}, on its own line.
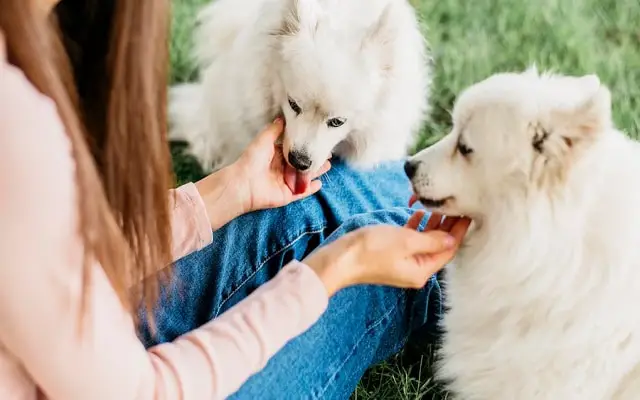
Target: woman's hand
{"x": 263, "y": 169}
{"x": 389, "y": 255}
{"x": 255, "y": 181}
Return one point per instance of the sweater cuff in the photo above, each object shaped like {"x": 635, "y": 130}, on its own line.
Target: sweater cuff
{"x": 200, "y": 216}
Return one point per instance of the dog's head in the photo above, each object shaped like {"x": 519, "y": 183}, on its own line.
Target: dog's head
{"x": 331, "y": 70}
{"x": 514, "y": 135}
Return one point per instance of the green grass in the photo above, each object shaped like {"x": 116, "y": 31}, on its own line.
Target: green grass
{"x": 469, "y": 41}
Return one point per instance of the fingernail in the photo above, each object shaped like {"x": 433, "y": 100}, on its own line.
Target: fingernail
{"x": 278, "y": 120}
{"x": 449, "y": 241}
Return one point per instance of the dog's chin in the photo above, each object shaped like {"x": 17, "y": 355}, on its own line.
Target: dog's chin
{"x": 442, "y": 205}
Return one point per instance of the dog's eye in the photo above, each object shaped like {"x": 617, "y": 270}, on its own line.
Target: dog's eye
{"x": 294, "y": 106}
{"x": 464, "y": 149}
{"x": 336, "y": 122}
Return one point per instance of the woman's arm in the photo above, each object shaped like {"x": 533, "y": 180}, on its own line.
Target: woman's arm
{"x": 190, "y": 226}
{"x": 41, "y": 287}
{"x": 223, "y": 196}
{"x": 200, "y": 208}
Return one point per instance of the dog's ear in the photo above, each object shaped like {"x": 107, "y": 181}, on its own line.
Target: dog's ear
{"x": 572, "y": 128}
{"x": 299, "y": 14}
{"x": 291, "y": 20}
{"x": 380, "y": 35}
{"x": 588, "y": 117}
{"x": 382, "y": 30}
{"x": 580, "y": 122}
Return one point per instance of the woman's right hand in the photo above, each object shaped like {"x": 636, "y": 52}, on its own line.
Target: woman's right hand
{"x": 389, "y": 255}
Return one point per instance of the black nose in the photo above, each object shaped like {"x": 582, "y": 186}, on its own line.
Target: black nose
{"x": 299, "y": 160}
{"x": 410, "y": 169}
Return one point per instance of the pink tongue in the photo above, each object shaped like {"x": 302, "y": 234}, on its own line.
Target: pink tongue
{"x": 413, "y": 199}
{"x": 297, "y": 182}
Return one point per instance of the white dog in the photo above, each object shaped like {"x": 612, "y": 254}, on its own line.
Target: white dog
{"x": 351, "y": 78}
{"x": 541, "y": 300}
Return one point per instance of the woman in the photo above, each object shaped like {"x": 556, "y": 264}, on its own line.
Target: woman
{"x": 87, "y": 227}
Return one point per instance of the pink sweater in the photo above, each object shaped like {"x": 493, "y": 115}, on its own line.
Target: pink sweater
{"x": 42, "y": 354}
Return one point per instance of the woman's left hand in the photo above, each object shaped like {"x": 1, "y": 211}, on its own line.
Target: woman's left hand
{"x": 263, "y": 171}
{"x": 256, "y": 181}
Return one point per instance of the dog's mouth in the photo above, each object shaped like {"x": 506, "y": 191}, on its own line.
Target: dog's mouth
{"x": 429, "y": 202}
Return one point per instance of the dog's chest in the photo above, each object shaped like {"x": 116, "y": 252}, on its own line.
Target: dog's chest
{"x": 496, "y": 348}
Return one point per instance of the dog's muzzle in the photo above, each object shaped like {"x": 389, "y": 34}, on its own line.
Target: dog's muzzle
{"x": 299, "y": 160}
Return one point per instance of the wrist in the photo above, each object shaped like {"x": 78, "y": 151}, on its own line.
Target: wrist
{"x": 332, "y": 270}
{"x": 326, "y": 272}
{"x": 223, "y": 197}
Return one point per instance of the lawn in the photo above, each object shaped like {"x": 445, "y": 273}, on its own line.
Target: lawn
{"x": 470, "y": 40}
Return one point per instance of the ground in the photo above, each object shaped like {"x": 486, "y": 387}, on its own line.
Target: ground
{"x": 469, "y": 41}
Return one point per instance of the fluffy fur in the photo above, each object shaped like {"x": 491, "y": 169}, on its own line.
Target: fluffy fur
{"x": 542, "y": 297}
{"x": 363, "y": 63}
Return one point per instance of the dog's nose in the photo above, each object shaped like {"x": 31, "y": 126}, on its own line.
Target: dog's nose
{"x": 410, "y": 169}
{"x": 299, "y": 160}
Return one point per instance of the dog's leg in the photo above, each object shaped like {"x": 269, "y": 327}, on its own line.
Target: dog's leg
{"x": 184, "y": 99}
{"x": 188, "y": 124}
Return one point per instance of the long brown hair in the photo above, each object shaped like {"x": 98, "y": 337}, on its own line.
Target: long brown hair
{"x": 105, "y": 64}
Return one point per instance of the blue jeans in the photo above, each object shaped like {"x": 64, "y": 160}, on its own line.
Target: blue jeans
{"x": 362, "y": 325}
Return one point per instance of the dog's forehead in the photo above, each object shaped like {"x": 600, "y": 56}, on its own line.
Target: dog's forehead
{"x": 526, "y": 92}
{"x": 500, "y": 97}
{"x": 325, "y": 57}
{"x": 334, "y": 82}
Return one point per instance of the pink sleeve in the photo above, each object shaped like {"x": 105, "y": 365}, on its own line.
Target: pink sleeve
{"x": 41, "y": 288}
{"x": 214, "y": 361}
{"x": 189, "y": 221}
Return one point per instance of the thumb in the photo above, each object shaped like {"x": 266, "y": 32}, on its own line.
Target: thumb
{"x": 271, "y": 133}
{"x": 431, "y": 242}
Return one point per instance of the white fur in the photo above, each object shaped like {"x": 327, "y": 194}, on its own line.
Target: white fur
{"x": 363, "y": 60}
{"x": 542, "y": 297}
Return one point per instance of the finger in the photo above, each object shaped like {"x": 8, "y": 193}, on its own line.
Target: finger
{"x": 271, "y": 133}
{"x": 434, "y": 222}
{"x": 448, "y": 223}
{"x": 414, "y": 222}
{"x": 417, "y": 270}
{"x": 325, "y": 167}
{"x": 460, "y": 229}
{"x": 435, "y": 262}
{"x": 278, "y": 157}
{"x": 430, "y": 264}
{"x": 428, "y": 242}
{"x": 420, "y": 276}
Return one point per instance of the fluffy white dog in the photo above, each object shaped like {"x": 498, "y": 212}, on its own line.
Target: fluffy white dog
{"x": 351, "y": 78}
{"x": 542, "y": 298}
